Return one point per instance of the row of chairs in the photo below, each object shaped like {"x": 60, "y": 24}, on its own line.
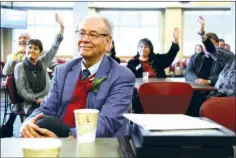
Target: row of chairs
{"x": 174, "y": 98}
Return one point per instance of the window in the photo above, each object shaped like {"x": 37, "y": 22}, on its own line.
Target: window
{"x": 132, "y": 25}
{"x": 41, "y": 24}
{"x": 216, "y": 21}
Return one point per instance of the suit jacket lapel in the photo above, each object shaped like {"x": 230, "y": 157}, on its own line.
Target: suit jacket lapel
{"x": 103, "y": 70}
{"x": 70, "y": 82}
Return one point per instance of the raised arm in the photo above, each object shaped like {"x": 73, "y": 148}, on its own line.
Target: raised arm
{"x": 165, "y": 60}
{"x": 222, "y": 56}
{"x": 49, "y": 55}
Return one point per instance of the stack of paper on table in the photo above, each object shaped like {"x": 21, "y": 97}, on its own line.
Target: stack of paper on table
{"x": 154, "y": 122}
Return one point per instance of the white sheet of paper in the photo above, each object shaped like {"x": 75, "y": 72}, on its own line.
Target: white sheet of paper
{"x": 169, "y": 122}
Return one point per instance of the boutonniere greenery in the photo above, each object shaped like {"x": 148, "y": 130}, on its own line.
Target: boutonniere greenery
{"x": 95, "y": 83}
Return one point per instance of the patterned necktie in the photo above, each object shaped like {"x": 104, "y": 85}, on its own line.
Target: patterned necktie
{"x": 86, "y": 74}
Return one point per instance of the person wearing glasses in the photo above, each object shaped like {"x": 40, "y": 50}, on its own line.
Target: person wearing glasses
{"x": 70, "y": 88}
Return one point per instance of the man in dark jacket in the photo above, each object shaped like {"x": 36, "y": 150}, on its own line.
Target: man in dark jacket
{"x": 202, "y": 69}
{"x": 225, "y": 83}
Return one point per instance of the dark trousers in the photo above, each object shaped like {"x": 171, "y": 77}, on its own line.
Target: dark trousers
{"x": 136, "y": 104}
{"x": 198, "y": 98}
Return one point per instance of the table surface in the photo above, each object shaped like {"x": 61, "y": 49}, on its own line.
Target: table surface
{"x": 102, "y": 147}
{"x": 195, "y": 86}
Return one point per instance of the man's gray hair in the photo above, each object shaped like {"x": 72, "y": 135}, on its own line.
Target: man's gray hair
{"x": 106, "y": 21}
{"x": 109, "y": 25}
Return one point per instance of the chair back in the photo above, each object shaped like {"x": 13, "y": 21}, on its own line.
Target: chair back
{"x": 60, "y": 60}
{"x": 165, "y": 97}
{"x": 12, "y": 91}
{"x": 221, "y": 110}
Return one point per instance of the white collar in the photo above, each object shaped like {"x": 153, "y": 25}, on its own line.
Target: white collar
{"x": 93, "y": 69}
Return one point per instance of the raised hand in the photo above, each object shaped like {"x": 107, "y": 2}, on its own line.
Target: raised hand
{"x": 60, "y": 22}
{"x": 176, "y": 34}
{"x": 201, "y": 22}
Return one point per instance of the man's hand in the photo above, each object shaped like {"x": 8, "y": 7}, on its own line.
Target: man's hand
{"x": 30, "y": 129}
{"x": 60, "y": 22}
{"x": 176, "y": 33}
{"x": 202, "y": 81}
{"x": 38, "y": 101}
{"x": 201, "y": 22}
{"x": 46, "y": 133}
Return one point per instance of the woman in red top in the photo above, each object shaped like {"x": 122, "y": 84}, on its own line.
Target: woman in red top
{"x": 147, "y": 61}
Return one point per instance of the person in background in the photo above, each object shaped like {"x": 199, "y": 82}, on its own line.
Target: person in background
{"x": 112, "y": 53}
{"x": 221, "y": 43}
{"x": 198, "y": 48}
{"x": 202, "y": 69}
{"x": 31, "y": 77}
{"x": 225, "y": 83}
{"x": 227, "y": 47}
{"x": 19, "y": 55}
{"x": 147, "y": 61}
{"x": 72, "y": 88}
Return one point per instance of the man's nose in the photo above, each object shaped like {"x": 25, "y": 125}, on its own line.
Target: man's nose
{"x": 86, "y": 38}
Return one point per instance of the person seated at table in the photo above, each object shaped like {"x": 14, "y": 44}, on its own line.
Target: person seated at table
{"x": 202, "y": 69}
{"x": 227, "y": 47}
{"x": 147, "y": 61}
{"x": 19, "y": 55}
{"x": 72, "y": 86}
{"x": 221, "y": 43}
{"x": 198, "y": 48}
{"x": 225, "y": 83}
{"x": 31, "y": 75}
{"x": 112, "y": 53}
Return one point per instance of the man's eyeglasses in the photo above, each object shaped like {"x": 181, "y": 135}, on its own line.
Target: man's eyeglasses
{"x": 91, "y": 35}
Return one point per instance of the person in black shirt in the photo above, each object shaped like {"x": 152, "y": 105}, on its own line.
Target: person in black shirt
{"x": 112, "y": 53}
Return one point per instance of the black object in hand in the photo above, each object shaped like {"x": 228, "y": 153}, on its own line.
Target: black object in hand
{"x": 54, "y": 125}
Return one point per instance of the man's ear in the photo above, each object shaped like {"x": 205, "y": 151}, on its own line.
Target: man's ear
{"x": 108, "y": 43}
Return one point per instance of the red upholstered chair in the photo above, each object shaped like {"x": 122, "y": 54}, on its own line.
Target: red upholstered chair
{"x": 13, "y": 95}
{"x": 61, "y": 60}
{"x": 221, "y": 110}
{"x": 165, "y": 97}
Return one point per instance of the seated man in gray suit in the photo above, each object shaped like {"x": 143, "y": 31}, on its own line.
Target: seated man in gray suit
{"x": 70, "y": 91}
